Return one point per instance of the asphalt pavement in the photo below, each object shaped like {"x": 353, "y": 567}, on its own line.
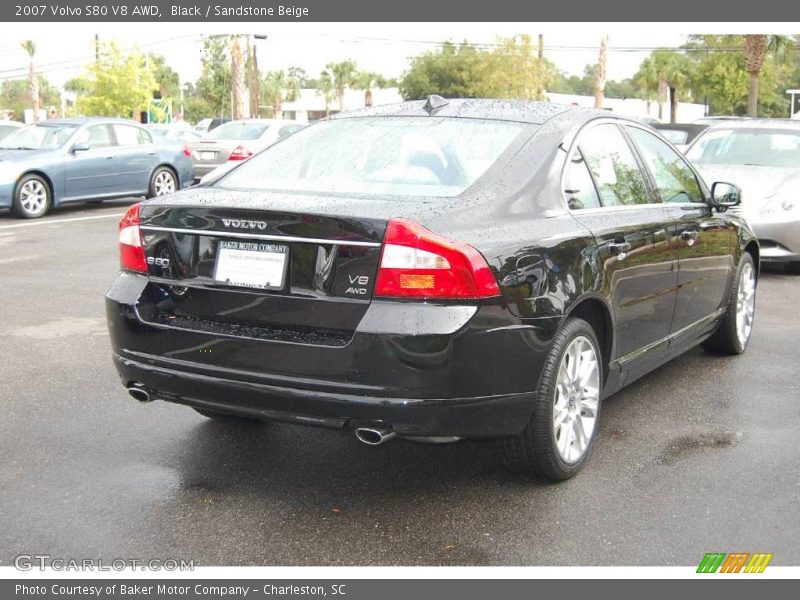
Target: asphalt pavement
{"x": 701, "y": 455}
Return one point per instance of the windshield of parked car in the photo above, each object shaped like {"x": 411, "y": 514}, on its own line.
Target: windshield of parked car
{"x": 676, "y": 136}
{"x": 238, "y": 131}
{"x": 38, "y": 137}
{"x": 398, "y": 156}
{"x": 756, "y": 147}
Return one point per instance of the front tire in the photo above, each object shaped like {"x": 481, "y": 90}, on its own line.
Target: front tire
{"x": 163, "y": 182}
{"x": 793, "y": 268}
{"x": 736, "y": 325}
{"x": 560, "y": 435}
{"x": 32, "y": 197}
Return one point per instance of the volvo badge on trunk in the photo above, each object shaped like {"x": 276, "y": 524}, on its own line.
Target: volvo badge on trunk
{"x": 241, "y": 224}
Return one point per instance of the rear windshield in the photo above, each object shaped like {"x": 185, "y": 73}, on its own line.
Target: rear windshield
{"x": 758, "y": 147}
{"x": 676, "y": 136}
{"x": 238, "y": 131}
{"x": 397, "y": 156}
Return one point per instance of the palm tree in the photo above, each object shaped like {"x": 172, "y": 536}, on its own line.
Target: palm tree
{"x": 325, "y": 89}
{"x": 756, "y": 47}
{"x": 600, "y": 74}
{"x": 33, "y": 78}
{"x": 648, "y": 81}
{"x": 366, "y": 80}
{"x": 342, "y": 75}
{"x": 277, "y": 88}
{"x": 237, "y": 75}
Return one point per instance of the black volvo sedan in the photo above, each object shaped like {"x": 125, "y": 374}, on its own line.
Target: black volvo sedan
{"x": 434, "y": 270}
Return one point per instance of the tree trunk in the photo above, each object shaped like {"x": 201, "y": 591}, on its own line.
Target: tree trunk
{"x": 33, "y": 85}
{"x": 673, "y": 105}
{"x": 752, "y": 95}
{"x": 253, "y": 83}
{"x": 661, "y": 97}
{"x": 600, "y": 75}
{"x": 341, "y": 100}
{"x": 238, "y": 84}
{"x": 368, "y": 98}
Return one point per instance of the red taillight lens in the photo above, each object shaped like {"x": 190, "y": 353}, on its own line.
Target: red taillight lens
{"x": 417, "y": 263}
{"x": 131, "y": 252}
{"x": 240, "y": 153}
{"x": 187, "y": 152}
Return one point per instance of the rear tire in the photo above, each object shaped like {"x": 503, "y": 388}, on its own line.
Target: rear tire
{"x": 560, "y": 435}
{"x": 163, "y": 182}
{"x": 32, "y": 197}
{"x": 736, "y": 325}
{"x": 226, "y": 417}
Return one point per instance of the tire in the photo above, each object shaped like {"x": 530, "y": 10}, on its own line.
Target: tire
{"x": 793, "y": 268}
{"x": 221, "y": 416}
{"x": 732, "y": 334}
{"x": 541, "y": 449}
{"x": 32, "y": 197}
{"x": 162, "y": 182}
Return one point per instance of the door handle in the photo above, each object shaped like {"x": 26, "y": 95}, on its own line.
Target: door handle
{"x": 620, "y": 248}
{"x": 689, "y": 236}
{"x": 152, "y": 153}
{"x": 109, "y": 156}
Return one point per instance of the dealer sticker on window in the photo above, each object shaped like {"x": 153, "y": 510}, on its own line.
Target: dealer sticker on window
{"x": 251, "y": 264}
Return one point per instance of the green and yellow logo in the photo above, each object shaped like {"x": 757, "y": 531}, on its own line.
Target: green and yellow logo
{"x": 735, "y": 562}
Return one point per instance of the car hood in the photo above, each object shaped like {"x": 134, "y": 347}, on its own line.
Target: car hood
{"x": 759, "y": 184}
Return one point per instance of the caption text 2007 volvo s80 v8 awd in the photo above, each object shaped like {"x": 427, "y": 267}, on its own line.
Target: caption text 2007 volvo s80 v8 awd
{"x": 434, "y": 270}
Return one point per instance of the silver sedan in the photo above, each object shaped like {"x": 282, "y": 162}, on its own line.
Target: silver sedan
{"x": 762, "y": 156}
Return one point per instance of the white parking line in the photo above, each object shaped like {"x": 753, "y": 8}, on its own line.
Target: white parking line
{"x": 57, "y": 221}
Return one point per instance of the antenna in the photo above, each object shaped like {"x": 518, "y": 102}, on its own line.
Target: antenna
{"x": 434, "y": 103}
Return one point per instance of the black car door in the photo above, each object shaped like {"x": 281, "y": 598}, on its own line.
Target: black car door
{"x": 608, "y": 192}
{"x": 704, "y": 237}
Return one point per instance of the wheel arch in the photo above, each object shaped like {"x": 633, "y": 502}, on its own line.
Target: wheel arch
{"x": 47, "y": 179}
{"x": 595, "y": 311}
{"x": 172, "y": 169}
{"x": 753, "y": 250}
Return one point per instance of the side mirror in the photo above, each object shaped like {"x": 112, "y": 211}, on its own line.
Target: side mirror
{"x": 725, "y": 195}
{"x": 79, "y": 147}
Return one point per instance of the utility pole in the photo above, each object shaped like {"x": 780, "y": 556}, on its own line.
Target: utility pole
{"x": 237, "y": 74}
{"x": 600, "y": 75}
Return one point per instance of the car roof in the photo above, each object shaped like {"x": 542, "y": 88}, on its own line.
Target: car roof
{"x": 523, "y": 111}
{"x": 789, "y": 124}
{"x": 77, "y": 122}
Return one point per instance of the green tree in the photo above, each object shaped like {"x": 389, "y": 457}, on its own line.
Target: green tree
{"x": 756, "y": 48}
{"x": 367, "y": 80}
{"x": 278, "y": 87}
{"x": 326, "y": 89}
{"x": 118, "y": 85}
{"x": 167, "y": 79}
{"x": 15, "y": 95}
{"x": 214, "y": 85}
{"x": 452, "y": 72}
{"x": 342, "y": 75}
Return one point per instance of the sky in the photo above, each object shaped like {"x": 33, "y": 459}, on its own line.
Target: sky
{"x": 384, "y": 48}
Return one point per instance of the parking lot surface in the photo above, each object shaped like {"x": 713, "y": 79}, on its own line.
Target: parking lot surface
{"x": 699, "y": 456}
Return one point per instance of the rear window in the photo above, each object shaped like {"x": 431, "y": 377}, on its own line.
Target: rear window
{"x": 675, "y": 136}
{"x": 757, "y": 147}
{"x": 238, "y": 131}
{"x": 397, "y": 156}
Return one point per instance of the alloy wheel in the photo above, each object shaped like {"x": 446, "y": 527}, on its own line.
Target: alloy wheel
{"x": 164, "y": 183}
{"x": 577, "y": 397}
{"x": 33, "y": 196}
{"x": 745, "y": 304}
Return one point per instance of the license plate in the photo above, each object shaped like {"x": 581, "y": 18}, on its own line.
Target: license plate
{"x": 208, "y": 155}
{"x": 251, "y": 264}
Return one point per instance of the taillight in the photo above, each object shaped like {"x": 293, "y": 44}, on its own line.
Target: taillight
{"x": 131, "y": 252}
{"x": 417, "y": 263}
{"x": 240, "y": 153}
{"x": 187, "y": 152}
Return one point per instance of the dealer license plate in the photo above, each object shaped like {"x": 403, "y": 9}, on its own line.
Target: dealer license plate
{"x": 251, "y": 264}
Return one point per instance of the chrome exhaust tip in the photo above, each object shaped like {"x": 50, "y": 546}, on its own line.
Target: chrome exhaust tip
{"x": 374, "y": 436}
{"x": 140, "y": 394}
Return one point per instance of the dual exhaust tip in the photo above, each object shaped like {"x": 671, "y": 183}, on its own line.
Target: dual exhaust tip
{"x": 374, "y": 436}
{"x": 139, "y": 393}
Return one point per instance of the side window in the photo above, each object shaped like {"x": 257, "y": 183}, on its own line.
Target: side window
{"x": 675, "y": 181}
{"x": 144, "y": 136}
{"x": 579, "y": 188}
{"x": 288, "y": 130}
{"x": 128, "y": 135}
{"x": 613, "y": 165}
{"x": 96, "y": 136}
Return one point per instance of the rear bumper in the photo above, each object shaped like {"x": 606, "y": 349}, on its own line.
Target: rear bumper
{"x": 422, "y": 370}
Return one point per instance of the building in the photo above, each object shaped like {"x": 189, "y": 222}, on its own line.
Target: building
{"x": 310, "y": 104}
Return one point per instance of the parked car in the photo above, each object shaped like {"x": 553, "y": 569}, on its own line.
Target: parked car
{"x": 238, "y": 140}
{"x": 176, "y": 133}
{"x": 205, "y": 125}
{"x": 680, "y": 135}
{"x": 435, "y": 271}
{"x": 8, "y": 127}
{"x": 56, "y": 162}
{"x": 763, "y": 158}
